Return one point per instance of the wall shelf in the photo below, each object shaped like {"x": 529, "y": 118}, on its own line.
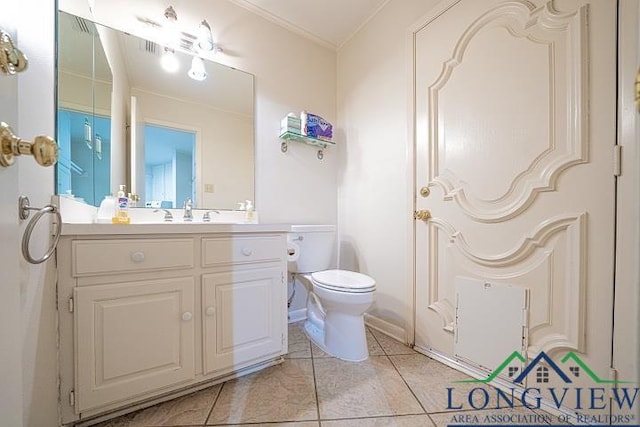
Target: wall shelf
{"x": 292, "y": 136}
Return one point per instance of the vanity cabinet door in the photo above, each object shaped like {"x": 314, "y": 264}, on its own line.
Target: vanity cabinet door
{"x": 132, "y": 338}
{"x": 243, "y": 317}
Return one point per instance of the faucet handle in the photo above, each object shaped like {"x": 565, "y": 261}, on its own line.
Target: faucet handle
{"x": 167, "y": 215}
{"x": 188, "y": 210}
{"x": 206, "y": 217}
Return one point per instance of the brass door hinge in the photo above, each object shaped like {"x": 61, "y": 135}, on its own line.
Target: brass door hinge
{"x": 617, "y": 160}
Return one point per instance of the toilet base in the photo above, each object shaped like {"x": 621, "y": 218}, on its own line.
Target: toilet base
{"x": 347, "y": 343}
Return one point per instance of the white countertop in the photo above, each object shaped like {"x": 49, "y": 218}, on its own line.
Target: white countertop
{"x": 87, "y": 229}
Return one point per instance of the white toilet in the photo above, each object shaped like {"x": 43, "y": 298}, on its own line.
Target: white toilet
{"x": 337, "y": 298}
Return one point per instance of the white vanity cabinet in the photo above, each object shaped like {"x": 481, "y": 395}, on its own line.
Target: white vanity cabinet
{"x": 240, "y": 324}
{"x": 145, "y": 317}
{"x": 132, "y": 338}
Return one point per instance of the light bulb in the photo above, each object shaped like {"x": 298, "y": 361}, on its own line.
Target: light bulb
{"x": 169, "y": 61}
{"x": 197, "y": 71}
{"x": 205, "y": 38}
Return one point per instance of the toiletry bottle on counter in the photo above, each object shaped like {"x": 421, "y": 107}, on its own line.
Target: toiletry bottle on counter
{"x": 107, "y": 209}
{"x": 122, "y": 207}
{"x": 249, "y": 211}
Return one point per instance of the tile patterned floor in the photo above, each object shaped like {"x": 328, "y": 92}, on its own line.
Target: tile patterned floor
{"x": 395, "y": 387}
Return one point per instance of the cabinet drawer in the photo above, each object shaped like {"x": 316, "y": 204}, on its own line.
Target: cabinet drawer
{"x": 98, "y": 257}
{"x": 218, "y": 251}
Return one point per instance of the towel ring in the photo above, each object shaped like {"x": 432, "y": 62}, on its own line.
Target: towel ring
{"x": 26, "y": 238}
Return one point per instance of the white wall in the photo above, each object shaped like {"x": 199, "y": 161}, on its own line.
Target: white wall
{"x": 292, "y": 74}
{"x": 374, "y": 175}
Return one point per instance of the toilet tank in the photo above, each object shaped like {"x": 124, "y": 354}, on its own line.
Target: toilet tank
{"x": 317, "y": 247}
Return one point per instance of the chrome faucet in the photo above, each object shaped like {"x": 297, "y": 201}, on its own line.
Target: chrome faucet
{"x": 167, "y": 215}
{"x": 188, "y": 210}
{"x": 206, "y": 217}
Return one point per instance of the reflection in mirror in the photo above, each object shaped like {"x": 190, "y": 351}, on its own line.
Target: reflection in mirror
{"x": 187, "y": 138}
{"x": 84, "y": 109}
{"x": 168, "y": 152}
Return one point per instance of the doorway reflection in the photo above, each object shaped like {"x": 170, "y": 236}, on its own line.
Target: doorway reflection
{"x": 169, "y": 162}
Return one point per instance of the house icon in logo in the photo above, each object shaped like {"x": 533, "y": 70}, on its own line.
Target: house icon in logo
{"x": 542, "y": 366}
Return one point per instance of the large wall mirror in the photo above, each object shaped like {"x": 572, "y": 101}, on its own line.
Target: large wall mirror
{"x": 180, "y": 138}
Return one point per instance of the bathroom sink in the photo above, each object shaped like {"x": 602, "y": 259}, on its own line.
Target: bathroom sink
{"x": 200, "y": 216}
{"x": 185, "y": 222}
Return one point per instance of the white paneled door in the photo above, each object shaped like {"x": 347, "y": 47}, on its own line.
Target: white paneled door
{"x": 515, "y": 132}
{"x": 28, "y": 389}
{"x": 10, "y": 340}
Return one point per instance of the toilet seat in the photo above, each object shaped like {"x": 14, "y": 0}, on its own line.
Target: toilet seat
{"x": 343, "y": 281}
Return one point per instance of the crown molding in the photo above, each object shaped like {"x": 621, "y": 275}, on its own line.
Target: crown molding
{"x": 284, "y": 23}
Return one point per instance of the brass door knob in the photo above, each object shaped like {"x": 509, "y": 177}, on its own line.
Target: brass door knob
{"x": 44, "y": 149}
{"x": 422, "y": 215}
{"x": 12, "y": 60}
{"x": 424, "y": 191}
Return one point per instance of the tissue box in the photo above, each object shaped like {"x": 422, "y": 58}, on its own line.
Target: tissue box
{"x": 317, "y": 127}
{"x": 290, "y": 124}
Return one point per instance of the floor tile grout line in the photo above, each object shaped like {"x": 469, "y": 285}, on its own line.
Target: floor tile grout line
{"x": 483, "y": 409}
{"x": 373, "y": 417}
{"x": 408, "y": 386}
{"x": 431, "y": 419}
{"x": 315, "y": 382}
{"x": 206, "y": 421}
{"x": 256, "y": 423}
{"x": 377, "y": 341}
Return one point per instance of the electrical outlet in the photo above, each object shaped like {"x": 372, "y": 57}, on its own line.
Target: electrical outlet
{"x": 208, "y": 188}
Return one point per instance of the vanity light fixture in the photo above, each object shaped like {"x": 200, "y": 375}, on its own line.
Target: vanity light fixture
{"x": 169, "y": 61}
{"x": 197, "y": 71}
{"x": 168, "y": 34}
{"x": 205, "y": 38}
{"x": 171, "y": 34}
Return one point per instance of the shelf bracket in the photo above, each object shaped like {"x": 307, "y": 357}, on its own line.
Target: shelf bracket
{"x": 292, "y": 136}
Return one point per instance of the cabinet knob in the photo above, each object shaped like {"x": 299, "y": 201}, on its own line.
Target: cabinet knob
{"x": 247, "y": 251}
{"x": 210, "y": 311}
{"x": 186, "y": 316}
{"x": 137, "y": 256}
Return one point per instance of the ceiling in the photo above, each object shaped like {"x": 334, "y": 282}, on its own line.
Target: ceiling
{"x": 329, "y": 22}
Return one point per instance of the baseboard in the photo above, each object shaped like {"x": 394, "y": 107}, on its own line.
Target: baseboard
{"x": 297, "y": 315}
{"x": 394, "y": 331}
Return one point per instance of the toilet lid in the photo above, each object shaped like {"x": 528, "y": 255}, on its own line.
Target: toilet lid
{"x": 344, "y": 281}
